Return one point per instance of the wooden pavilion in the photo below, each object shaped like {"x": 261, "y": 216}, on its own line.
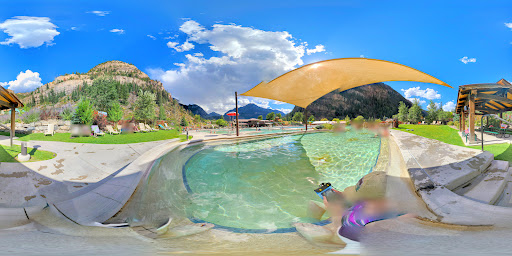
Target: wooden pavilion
{"x": 8, "y": 100}
{"x": 481, "y": 99}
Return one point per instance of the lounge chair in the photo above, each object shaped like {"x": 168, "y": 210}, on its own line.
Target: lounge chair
{"x": 142, "y": 128}
{"x": 50, "y": 130}
{"x": 168, "y": 127}
{"x": 162, "y": 127}
{"x": 111, "y": 130}
{"x": 151, "y": 129}
{"x": 96, "y": 131}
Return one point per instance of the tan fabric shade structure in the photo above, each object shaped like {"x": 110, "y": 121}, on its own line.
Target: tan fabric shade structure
{"x": 9, "y": 101}
{"x": 306, "y": 84}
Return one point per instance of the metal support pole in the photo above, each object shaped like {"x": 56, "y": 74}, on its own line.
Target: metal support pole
{"x": 482, "y": 129}
{"x": 306, "y": 117}
{"x": 13, "y": 123}
{"x": 236, "y": 112}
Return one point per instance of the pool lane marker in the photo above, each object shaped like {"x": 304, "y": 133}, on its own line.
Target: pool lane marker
{"x": 239, "y": 230}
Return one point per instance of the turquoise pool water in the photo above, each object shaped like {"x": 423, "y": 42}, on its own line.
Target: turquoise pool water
{"x": 267, "y": 183}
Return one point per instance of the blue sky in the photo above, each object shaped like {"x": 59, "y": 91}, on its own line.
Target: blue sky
{"x": 205, "y": 50}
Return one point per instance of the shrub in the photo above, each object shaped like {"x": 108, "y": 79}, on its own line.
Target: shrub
{"x": 347, "y": 120}
{"x": 221, "y": 122}
{"x": 359, "y": 119}
{"x": 336, "y": 120}
{"x": 67, "y": 114}
{"x": 161, "y": 113}
{"x": 30, "y": 116}
{"x": 145, "y": 106}
{"x": 450, "y": 123}
{"x": 184, "y": 121}
{"x": 325, "y": 126}
{"x": 83, "y": 112}
{"x": 100, "y": 120}
{"x": 324, "y": 119}
{"x": 47, "y": 114}
{"x": 115, "y": 112}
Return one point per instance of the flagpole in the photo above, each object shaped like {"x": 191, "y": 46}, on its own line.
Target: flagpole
{"x": 236, "y": 105}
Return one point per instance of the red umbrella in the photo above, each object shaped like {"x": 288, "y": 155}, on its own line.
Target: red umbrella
{"x": 231, "y": 114}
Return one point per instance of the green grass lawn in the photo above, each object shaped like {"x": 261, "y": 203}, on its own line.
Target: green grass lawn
{"x": 123, "y": 138}
{"x": 449, "y": 135}
{"x": 8, "y": 154}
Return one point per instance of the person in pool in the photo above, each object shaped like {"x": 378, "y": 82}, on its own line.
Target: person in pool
{"x": 351, "y": 211}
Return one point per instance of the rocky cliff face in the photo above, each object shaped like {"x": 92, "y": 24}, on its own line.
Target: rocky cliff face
{"x": 370, "y": 101}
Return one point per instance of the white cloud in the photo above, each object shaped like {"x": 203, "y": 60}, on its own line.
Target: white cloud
{"x": 428, "y": 93}
{"x": 420, "y": 101}
{"x": 172, "y": 44}
{"x": 318, "y": 48}
{"x": 242, "y": 58}
{"x": 467, "y": 60}
{"x": 74, "y": 28}
{"x": 186, "y": 46}
{"x": 117, "y": 30}
{"x": 152, "y": 37}
{"x": 263, "y": 103}
{"x": 361, "y": 56}
{"x": 29, "y": 32}
{"x": 449, "y": 106}
{"x": 285, "y": 110}
{"x": 25, "y": 82}
{"x": 100, "y": 13}
{"x": 509, "y": 25}
{"x": 278, "y": 102}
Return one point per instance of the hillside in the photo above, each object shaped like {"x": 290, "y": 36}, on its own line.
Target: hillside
{"x": 104, "y": 83}
{"x": 124, "y": 73}
{"x": 252, "y": 111}
{"x": 370, "y": 101}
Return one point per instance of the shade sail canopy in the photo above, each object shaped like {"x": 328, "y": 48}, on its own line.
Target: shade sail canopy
{"x": 306, "y": 84}
{"x": 489, "y": 98}
{"x": 8, "y": 99}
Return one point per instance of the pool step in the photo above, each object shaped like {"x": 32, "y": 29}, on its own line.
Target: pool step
{"x": 505, "y": 199}
{"x": 487, "y": 187}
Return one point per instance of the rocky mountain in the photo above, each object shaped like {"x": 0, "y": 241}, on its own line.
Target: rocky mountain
{"x": 198, "y": 110}
{"x": 252, "y": 111}
{"x": 377, "y": 100}
{"x": 108, "y": 81}
{"x": 119, "y": 71}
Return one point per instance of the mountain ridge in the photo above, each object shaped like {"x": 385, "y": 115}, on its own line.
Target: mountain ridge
{"x": 377, "y": 100}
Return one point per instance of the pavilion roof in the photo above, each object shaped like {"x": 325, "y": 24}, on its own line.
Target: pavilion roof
{"x": 8, "y": 99}
{"x": 490, "y": 98}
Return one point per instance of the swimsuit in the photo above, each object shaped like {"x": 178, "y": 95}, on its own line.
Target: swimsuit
{"x": 354, "y": 220}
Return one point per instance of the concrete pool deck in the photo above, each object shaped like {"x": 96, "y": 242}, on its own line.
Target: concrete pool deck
{"x": 87, "y": 183}
{"x": 99, "y": 172}
{"x": 459, "y": 185}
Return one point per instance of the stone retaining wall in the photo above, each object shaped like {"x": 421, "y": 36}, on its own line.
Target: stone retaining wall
{"x": 61, "y": 126}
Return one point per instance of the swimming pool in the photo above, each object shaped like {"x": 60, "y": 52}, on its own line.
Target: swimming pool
{"x": 258, "y": 185}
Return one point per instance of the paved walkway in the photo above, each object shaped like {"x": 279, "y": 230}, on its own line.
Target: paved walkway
{"x": 488, "y": 139}
{"x": 76, "y": 170}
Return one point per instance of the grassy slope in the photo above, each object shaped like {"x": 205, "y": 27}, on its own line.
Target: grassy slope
{"x": 449, "y": 135}
{"x": 107, "y": 139}
{"x": 8, "y": 154}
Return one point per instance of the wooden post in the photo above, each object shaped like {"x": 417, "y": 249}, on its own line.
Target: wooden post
{"x": 460, "y": 120}
{"x": 472, "y": 116}
{"x": 236, "y": 107}
{"x": 13, "y": 122}
{"x": 463, "y": 121}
